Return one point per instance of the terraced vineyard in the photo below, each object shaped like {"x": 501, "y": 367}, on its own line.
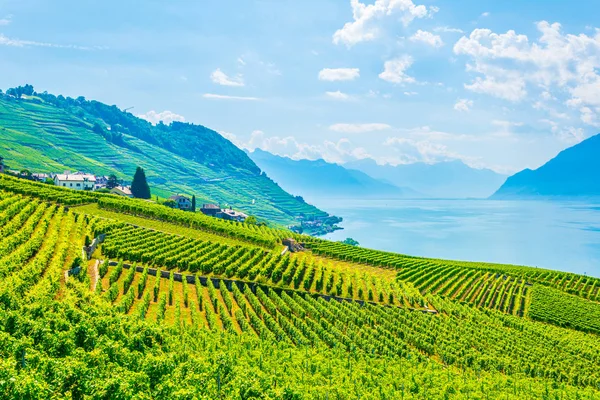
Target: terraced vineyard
{"x": 159, "y": 314}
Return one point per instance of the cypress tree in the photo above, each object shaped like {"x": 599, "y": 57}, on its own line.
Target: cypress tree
{"x": 193, "y": 203}
{"x": 139, "y": 185}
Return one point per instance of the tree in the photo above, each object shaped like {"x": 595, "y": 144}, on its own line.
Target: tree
{"x": 194, "y": 203}
{"x": 251, "y": 220}
{"x": 351, "y": 242}
{"x": 112, "y": 182}
{"x": 1, "y": 164}
{"x": 139, "y": 185}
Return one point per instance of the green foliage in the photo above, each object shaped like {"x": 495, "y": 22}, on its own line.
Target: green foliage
{"x": 350, "y": 242}
{"x": 139, "y": 185}
{"x": 551, "y": 305}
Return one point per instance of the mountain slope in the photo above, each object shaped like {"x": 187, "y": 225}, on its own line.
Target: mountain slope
{"x": 572, "y": 173}
{"x": 444, "y": 180}
{"x": 45, "y": 133}
{"x": 319, "y": 178}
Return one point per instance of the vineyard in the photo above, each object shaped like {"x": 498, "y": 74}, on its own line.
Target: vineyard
{"x": 183, "y": 309}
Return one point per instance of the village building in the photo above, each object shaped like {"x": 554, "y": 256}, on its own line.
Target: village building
{"x": 40, "y": 177}
{"x": 212, "y": 210}
{"x": 181, "y": 202}
{"x": 75, "y": 181}
{"x": 124, "y": 191}
{"x": 232, "y": 215}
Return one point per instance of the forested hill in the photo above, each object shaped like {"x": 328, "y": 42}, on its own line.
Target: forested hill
{"x": 47, "y": 133}
{"x": 573, "y": 173}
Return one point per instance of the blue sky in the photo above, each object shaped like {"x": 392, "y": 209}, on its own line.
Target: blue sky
{"x": 504, "y": 85}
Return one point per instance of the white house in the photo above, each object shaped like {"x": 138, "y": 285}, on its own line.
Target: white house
{"x": 75, "y": 181}
{"x": 181, "y": 202}
{"x": 124, "y": 191}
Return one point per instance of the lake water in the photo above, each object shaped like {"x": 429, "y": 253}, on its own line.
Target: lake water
{"x": 557, "y": 235}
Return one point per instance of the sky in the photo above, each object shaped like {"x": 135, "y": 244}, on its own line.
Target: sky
{"x": 501, "y": 85}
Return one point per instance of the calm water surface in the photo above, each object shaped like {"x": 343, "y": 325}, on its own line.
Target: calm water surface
{"x": 556, "y": 235}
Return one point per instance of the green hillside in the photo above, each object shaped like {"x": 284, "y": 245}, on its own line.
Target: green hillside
{"x": 45, "y": 133}
{"x": 173, "y": 305}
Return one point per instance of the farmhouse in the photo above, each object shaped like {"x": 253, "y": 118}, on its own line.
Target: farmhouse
{"x": 181, "y": 202}
{"x": 75, "y": 181}
{"x": 231, "y": 215}
{"x": 211, "y": 210}
{"x": 124, "y": 191}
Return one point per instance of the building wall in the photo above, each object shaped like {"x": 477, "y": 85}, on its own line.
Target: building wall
{"x": 74, "y": 184}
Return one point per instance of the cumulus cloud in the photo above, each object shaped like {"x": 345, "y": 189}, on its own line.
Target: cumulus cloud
{"x": 427, "y": 38}
{"x": 367, "y": 19}
{"x": 509, "y": 65}
{"x": 226, "y": 97}
{"x": 337, "y": 95}
{"x": 409, "y": 150}
{"x": 339, "y": 74}
{"x": 219, "y": 77}
{"x": 165, "y": 116}
{"x": 359, "y": 128}
{"x": 395, "y": 70}
{"x": 289, "y": 146}
{"x": 485, "y": 14}
{"x": 463, "y": 105}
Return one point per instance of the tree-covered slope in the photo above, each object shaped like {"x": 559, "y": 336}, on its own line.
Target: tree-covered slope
{"x": 45, "y": 133}
{"x": 572, "y": 173}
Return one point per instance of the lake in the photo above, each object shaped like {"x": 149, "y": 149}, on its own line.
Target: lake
{"x": 556, "y": 235}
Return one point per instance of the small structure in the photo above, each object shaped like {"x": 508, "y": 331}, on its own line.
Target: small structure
{"x": 124, "y": 191}
{"x": 181, "y": 202}
{"x": 231, "y": 215}
{"x": 40, "y": 177}
{"x": 75, "y": 181}
{"x": 212, "y": 210}
{"x": 292, "y": 245}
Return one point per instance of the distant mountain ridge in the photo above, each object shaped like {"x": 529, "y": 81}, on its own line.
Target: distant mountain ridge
{"x": 452, "y": 179}
{"x": 318, "y": 178}
{"x": 573, "y": 173}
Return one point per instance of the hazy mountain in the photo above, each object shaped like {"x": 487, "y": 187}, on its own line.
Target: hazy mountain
{"x": 319, "y": 178}
{"x": 574, "y": 172}
{"x": 451, "y": 179}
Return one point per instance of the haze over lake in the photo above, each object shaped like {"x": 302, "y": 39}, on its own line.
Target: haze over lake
{"x": 556, "y": 235}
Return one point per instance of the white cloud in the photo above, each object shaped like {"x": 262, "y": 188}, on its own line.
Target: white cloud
{"x": 367, "y": 18}
{"x": 409, "y": 150}
{"x": 219, "y": 77}
{"x": 6, "y": 20}
{"x": 427, "y": 38}
{"x": 337, "y": 95}
{"x": 395, "y": 70}
{"x": 359, "y": 128}
{"x": 225, "y": 97}
{"x": 339, "y": 74}
{"x": 165, "y": 116}
{"x": 288, "y": 146}
{"x": 485, "y": 14}
{"x": 410, "y": 93}
{"x": 6, "y": 41}
{"x": 447, "y": 29}
{"x": 511, "y": 64}
{"x": 463, "y": 105}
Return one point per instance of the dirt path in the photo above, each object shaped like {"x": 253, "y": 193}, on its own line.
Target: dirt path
{"x": 93, "y": 273}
